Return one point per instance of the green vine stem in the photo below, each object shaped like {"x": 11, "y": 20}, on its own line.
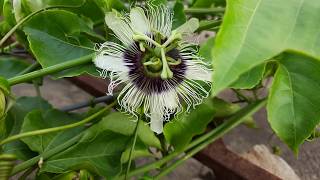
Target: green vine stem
{"x": 49, "y": 70}
{"x": 202, "y": 141}
{"x": 132, "y": 148}
{"x": 209, "y": 25}
{"x": 204, "y": 10}
{"x": 6, "y": 37}
{"x": 9, "y": 47}
{"x": 55, "y": 129}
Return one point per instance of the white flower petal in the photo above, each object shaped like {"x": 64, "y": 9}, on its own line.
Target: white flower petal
{"x": 110, "y": 57}
{"x": 120, "y": 28}
{"x": 196, "y": 69}
{"x": 198, "y": 72}
{"x": 131, "y": 98}
{"x": 139, "y": 21}
{"x": 161, "y": 106}
{"x": 156, "y": 124}
{"x": 110, "y": 63}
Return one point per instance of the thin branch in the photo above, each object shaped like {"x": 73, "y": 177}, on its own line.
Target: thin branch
{"x": 132, "y": 148}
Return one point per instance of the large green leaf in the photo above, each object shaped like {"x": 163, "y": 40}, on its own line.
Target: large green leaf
{"x": 180, "y": 131}
{"x": 123, "y": 124}
{"x": 98, "y": 151}
{"x": 9, "y": 67}
{"x": 256, "y": 30}
{"x": 37, "y": 119}
{"x": 294, "y": 101}
{"x": 21, "y": 108}
{"x": 63, "y": 38}
{"x": 14, "y": 120}
{"x": 103, "y": 146}
{"x": 91, "y": 10}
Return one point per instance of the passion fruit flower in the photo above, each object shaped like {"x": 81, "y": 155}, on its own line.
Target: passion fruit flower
{"x": 163, "y": 73}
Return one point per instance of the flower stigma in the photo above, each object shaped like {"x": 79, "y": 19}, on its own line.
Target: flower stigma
{"x": 160, "y": 62}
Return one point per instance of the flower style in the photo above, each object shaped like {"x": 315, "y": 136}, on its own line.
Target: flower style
{"x": 161, "y": 72}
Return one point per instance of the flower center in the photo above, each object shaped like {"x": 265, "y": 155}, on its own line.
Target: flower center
{"x": 156, "y": 62}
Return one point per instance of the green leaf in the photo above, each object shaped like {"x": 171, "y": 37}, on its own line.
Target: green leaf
{"x": 1, "y": 7}
{"x": 205, "y": 49}
{"x": 224, "y": 109}
{"x": 140, "y": 150}
{"x": 8, "y": 15}
{"x": 254, "y": 31}
{"x": 103, "y": 147}
{"x": 98, "y": 151}
{"x": 37, "y": 119}
{"x": 251, "y": 78}
{"x": 202, "y": 3}
{"x": 178, "y": 17}
{"x": 293, "y": 104}
{"x": 19, "y": 149}
{"x": 21, "y": 108}
{"x": 123, "y": 124}
{"x": 4, "y": 86}
{"x": 9, "y": 66}
{"x": 92, "y": 10}
{"x": 180, "y": 131}
{"x": 63, "y": 38}
{"x": 116, "y": 4}
{"x": 208, "y": 3}
{"x": 13, "y": 122}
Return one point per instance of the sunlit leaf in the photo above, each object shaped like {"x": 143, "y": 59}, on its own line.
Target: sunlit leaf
{"x": 254, "y": 31}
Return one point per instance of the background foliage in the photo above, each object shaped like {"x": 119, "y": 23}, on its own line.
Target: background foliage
{"x": 256, "y": 41}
